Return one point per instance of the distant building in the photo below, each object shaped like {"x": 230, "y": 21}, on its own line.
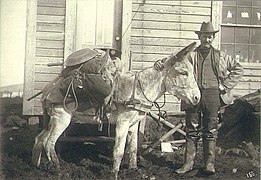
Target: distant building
{"x": 12, "y": 91}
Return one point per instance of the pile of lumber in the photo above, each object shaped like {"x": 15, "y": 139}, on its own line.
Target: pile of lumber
{"x": 241, "y": 120}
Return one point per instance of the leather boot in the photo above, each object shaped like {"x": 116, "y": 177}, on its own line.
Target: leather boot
{"x": 209, "y": 147}
{"x": 190, "y": 153}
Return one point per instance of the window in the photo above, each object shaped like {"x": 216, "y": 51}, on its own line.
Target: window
{"x": 241, "y": 30}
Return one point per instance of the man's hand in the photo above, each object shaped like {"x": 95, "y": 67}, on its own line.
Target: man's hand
{"x": 222, "y": 89}
{"x": 159, "y": 65}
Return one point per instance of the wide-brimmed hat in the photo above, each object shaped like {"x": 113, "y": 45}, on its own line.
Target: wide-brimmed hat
{"x": 206, "y": 28}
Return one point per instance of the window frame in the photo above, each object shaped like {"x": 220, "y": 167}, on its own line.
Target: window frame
{"x": 237, "y": 25}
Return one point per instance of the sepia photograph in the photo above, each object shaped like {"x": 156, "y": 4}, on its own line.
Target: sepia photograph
{"x": 130, "y": 89}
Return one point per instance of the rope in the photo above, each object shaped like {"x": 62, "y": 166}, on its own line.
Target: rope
{"x": 71, "y": 86}
{"x": 131, "y": 21}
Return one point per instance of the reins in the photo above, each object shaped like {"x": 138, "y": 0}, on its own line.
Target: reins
{"x": 155, "y": 103}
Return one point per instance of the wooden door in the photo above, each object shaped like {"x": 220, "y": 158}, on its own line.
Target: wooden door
{"x": 94, "y": 23}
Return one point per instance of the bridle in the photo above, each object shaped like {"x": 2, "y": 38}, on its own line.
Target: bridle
{"x": 153, "y": 103}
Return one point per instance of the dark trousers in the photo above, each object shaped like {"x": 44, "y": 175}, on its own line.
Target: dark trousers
{"x": 202, "y": 119}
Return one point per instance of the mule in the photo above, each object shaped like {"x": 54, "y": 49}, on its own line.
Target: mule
{"x": 132, "y": 91}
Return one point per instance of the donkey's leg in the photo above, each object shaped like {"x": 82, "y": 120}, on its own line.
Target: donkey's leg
{"x": 133, "y": 145}
{"x": 60, "y": 121}
{"x": 120, "y": 141}
{"x": 123, "y": 123}
{"x": 40, "y": 140}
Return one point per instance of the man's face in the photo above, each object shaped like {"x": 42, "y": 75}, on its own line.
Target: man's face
{"x": 206, "y": 39}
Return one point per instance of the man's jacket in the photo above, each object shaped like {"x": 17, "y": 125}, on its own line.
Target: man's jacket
{"x": 227, "y": 70}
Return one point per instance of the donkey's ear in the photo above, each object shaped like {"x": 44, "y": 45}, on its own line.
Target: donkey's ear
{"x": 185, "y": 51}
{"x": 180, "y": 55}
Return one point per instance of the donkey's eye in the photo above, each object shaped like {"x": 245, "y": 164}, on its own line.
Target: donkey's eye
{"x": 185, "y": 73}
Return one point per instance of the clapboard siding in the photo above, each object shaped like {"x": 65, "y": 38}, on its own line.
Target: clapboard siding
{"x": 50, "y": 19}
{"x": 50, "y": 30}
{"x": 50, "y": 36}
{"x": 171, "y": 9}
{"x": 50, "y": 44}
{"x": 160, "y": 28}
{"x": 165, "y": 25}
{"x": 45, "y": 69}
{"x": 251, "y": 80}
{"x": 44, "y": 10}
{"x": 50, "y": 27}
{"x": 40, "y": 85}
{"x": 141, "y": 57}
{"x": 49, "y": 52}
{"x": 159, "y": 41}
{"x": 177, "y": 3}
{"x": 46, "y": 60}
{"x": 51, "y": 3}
{"x": 152, "y": 49}
{"x": 169, "y": 18}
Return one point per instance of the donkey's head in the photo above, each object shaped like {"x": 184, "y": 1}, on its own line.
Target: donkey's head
{"x": 180, "y": 80}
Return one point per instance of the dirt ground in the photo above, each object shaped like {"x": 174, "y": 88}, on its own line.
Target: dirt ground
{"x": 94, "y": 160}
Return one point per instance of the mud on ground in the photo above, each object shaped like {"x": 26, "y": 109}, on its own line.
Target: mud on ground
{"x": 94, "y": 161}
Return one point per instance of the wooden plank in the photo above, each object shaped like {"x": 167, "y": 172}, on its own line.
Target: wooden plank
{"x": 141, "y": 65}
{"x": 163, "y": 138}
{"x": 49, "y": 52}
{"x": 196, "y": 3}
{"x": 251, "y": 65}
{"x": 176, "y": 3}
{"x": 252, "y": 72}
{"x": 248, "y": 85}
{"x": 48, "y": 27}
{"x": 169, "y": 9}
{"x": 45, "y": 69}
{"x": 50, "y": 36}
{"x": 148, "y": 57}
{"x": 38, "y": 110}
{"x": 37, "y": 102}
{"x": 160, "y": 41}
{"x": 50, "y": 44}
{"x": 165, "y": 25}
{"x": 29, "y": 56}
{"x": 126, "y": 34}
{"x": 164, "y": 33}
{"x": 57, "y": 11}
{"x": 40, "y": 85}
{"x": 216, "y": 19}
{"x": 51, "y": 3}
{"x": 70, "y": 28}
{"x": 87, "y": 139}
{"x": 153, "y": 49}
{"x": 251, "y": 79}
{"x": 37, "y": 91}
{"x": 170, "y": 17}
{"x": 242, "y": 92}
{"x": 50, "y": 19}
{"x": 46, "y": 60}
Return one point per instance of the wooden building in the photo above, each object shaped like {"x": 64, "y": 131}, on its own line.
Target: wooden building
{"x": 145, "y": 30}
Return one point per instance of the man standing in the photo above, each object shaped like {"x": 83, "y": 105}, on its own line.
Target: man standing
{"x": 217, "y": 74}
